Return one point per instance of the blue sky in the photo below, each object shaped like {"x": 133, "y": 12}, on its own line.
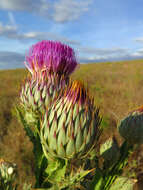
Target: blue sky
{"x": 98, "y": 30}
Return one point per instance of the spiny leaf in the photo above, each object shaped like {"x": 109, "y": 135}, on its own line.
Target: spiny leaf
{"x": 56, "y": 170}
{"x": 122, "y": 183}
{"x": 29, "y": 132}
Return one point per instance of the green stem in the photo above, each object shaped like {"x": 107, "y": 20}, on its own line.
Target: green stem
{"x": 118, "y": 167}
{"x": 98, "y": 180}
{"x": 40, "y": 162}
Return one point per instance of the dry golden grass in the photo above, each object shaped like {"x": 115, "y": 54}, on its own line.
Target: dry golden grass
{"x": 117, "y": 88}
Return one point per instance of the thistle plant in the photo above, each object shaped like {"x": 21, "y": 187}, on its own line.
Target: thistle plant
{"x": 50, "y": 64}
{"x": 63, "y": 123}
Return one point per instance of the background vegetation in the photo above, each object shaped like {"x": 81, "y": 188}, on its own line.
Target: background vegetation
{"x": 117, "y": 88}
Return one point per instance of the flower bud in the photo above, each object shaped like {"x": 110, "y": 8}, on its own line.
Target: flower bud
{"x": 8, "y": 171}
{"x": 131, "y": 127}
{"x": 71, "y": 126}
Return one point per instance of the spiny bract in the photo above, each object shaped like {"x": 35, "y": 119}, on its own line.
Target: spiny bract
{"x": 36, "y": 97}
{"x": 70, "y": 128}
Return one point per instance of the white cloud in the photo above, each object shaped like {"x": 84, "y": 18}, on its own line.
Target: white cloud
{"x": 11, "y": 32}
{"x": 138, "y": 53}
{"x": 7, "y": 30}
{"x": 103, "y": 51}
{"x": 68, "y": 10}
{"x": 89, "y": 54}
{"x": 58, "y": 11}
{"x": 47, "y": 36}
{"x": 140, "y": 39}
{"x": 19, "y": 5}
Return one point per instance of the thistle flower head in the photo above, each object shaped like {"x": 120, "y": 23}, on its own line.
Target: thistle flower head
{"x": 50, "y": 56}
{"x": 131, "y": 127}
{"x": 70, "y": 128}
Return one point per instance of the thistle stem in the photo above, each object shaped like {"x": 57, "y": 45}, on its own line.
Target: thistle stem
{"x": 118, "y": 167}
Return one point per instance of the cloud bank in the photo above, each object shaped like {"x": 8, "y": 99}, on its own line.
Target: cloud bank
{"x": 11, "y": 60}
{"x": 91, "y": 55}
{"x": 11, "y": 32}
{"x": 58, "y": 11}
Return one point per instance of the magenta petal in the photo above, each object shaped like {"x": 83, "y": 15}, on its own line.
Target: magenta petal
{"x": 51, "y": 56}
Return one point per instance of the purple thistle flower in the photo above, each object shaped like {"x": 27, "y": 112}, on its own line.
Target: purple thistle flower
{"x": 49, "y": 56}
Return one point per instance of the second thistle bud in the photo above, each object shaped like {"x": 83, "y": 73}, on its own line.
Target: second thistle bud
{"x": 71, "y": 127}
{"x": 131, "y": 127}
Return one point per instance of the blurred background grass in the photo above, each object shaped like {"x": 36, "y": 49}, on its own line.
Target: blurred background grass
{"x": 117, "y": 88}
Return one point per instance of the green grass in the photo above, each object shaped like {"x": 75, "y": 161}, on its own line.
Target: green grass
{"x": 117, "y": 88}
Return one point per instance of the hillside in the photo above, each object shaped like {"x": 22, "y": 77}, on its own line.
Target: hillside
{"x": 117, "y": 88}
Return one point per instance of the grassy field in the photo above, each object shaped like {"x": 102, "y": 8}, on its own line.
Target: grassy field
{"x": 117, "y": 88}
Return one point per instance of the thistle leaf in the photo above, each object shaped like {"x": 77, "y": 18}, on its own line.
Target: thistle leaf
{"x": 122, "y": 183}
{"x": 56, "y": 170}
{"x": 29, "y": 132}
